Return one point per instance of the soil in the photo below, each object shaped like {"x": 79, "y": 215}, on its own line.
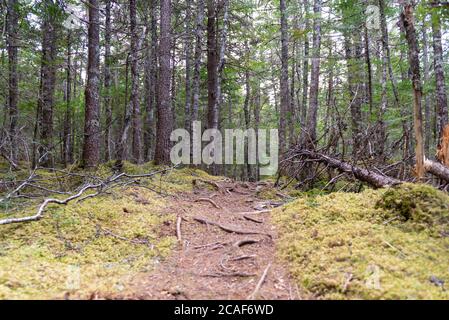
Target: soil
{"x": 212, "y": 263}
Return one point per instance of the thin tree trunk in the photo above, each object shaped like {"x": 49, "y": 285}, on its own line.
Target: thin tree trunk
{"x": 67, "y": 143}
{"x": 150, "y": 85}
{"x": 407, "y": 20}
{"x": 285, "y": 95}
{"x": 188, "y": 61}
{"x": 13, "y": 27}
{"x": 164, "y": 110}
{"x": 198, "y": 55}
{"x": 91, "y": 147}
{"x": 48, "y": 78}
{"x": 134, "y": 99}
{"x": 212, "y": 65}
{"x": 107, "y": 82}
{"x": 305, "y": 74}
{"x": 441, "y": 96}
{"x": 427, "y": 130}
{"x": 315, "y": 76}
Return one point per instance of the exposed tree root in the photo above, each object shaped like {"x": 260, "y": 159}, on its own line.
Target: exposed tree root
{"x": 212, "y": 202}
{"x": 229, "y": 228}
{"x": 244, "y": 242}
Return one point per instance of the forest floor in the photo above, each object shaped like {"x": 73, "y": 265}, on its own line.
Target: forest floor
{"x": 213, "y": 263}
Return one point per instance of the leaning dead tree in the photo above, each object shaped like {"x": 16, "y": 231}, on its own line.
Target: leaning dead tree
{"x": 374, "y": 177}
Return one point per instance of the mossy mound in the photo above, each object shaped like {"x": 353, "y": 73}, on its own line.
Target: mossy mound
{"x": 423, "y": 207}
{"x": 345, "y": 246}
{"x": 96, "y": 245}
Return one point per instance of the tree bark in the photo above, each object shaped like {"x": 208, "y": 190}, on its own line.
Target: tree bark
{"x": 407, "y": 20}
{"x": 164, "y": 110}
{"x": 188, "y": 62}
{"x": 13, "y": 30}
{"x": 441, "y": 96}
{"x": 212, "y": 65}
{"x": 315, "y": 77}
{"x": 67, "y": 140}
{"x": 150, "y": 84}
{"x": 48, "y": 78}
{"x": 285, "y": 95}
{"x": 134, "y": 99}
{"x": 107, "y": 82}
{"x": 91, "y": 148}
{"x": 198, "y": 54}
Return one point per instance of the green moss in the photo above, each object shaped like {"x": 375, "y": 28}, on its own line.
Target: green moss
{"x": 345, "y": 246}
{"x": 100, "y": 243}
{"x": 421, "y": 206}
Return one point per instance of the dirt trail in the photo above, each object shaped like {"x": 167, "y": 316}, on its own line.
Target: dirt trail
{"x": 211, "y": 263}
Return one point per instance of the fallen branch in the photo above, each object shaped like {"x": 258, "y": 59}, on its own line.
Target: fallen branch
{"x": 229, "y": 228}
{"x": 253, "y": 295}
{"x": 254, "y": 212}
{"x": 43, "y": 206}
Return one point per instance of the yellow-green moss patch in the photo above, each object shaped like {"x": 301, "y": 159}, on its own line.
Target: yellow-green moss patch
{"x": 96, "y": 245}
{"x": 347, "y": 246}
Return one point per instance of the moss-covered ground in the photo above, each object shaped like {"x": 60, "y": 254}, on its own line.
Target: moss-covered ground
{"x": 94, "y": 246}
{"x": 384, "y": 244}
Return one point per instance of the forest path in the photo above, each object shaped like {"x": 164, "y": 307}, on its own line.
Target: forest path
{"x": 213, "y": 262}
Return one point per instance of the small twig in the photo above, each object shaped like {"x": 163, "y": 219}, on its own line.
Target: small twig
{"x": 254, "y": 212}
{"x": 253, "y": 295}
{"x": 178, "y": 228}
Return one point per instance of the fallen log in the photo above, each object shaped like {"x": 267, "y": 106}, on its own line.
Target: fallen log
{"x": 375, "y": 179}
{"x": 437, "y": 169}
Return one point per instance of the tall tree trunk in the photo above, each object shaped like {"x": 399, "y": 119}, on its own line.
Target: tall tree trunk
{"x": 305, "y": 70}
{"x": 285, "y": 95}
{"x": 407, "y": 20}
{"x": 212, "y": 66}
{"x": 198, "y": 55}
{"x": 107, "y": 82}
{"x": 441, "y": 96}
{"x": 164, "y": 110}
{"x": 67, "y": 143}
{"x": 427, "y": 130}
{"x": 221, "y": 56}
{"x": 13, "y": 27}
{"x": 134, "y": 99}
{"x": 48, "y": 78}
{"x": 315, "y": 76}
{"x": 150, "y": 85}
{"x": 91, "y": 147}
{"x": 188, "y": 61}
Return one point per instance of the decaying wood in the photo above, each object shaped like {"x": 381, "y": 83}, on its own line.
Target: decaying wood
{"x": 443, "y": 147}
{"x": 253, "y": 295}
{"x": 374, "y": 179}
{"x": 437, "y": 169}
{"x": 229, "y": 228}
